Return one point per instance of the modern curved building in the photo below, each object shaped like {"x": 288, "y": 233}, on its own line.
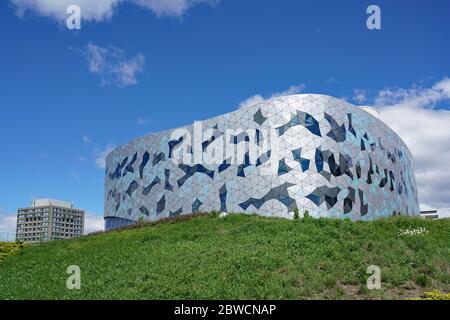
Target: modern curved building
{"x": 308, "y": 152}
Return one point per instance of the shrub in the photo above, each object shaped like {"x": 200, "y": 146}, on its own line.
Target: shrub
{"x": 306, "y": 214}
{"x": 10, "y": 248}
{"x": 422, "y": 280}
{"x": 296, "y": 214}
{"x": 141, "y": 220}
{"x": 214, "y": 214}
{"x": 434, "y": 295}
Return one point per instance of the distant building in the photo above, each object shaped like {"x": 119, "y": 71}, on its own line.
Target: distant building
{"x": 48, "y": 220}
{"x": 441, "y": 213}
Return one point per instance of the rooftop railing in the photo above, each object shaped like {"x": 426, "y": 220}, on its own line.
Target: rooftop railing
{"x": 7, "y": 236}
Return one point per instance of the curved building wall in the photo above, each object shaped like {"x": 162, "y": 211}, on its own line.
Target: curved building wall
{"x": 311, "y": 152}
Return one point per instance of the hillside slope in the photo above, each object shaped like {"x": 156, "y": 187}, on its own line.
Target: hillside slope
{"x": 239, "y": 257}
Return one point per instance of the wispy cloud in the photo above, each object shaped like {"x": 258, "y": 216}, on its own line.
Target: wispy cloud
{"x": 171, "y": 8}
{"x": 359, "y": 95}
{"x": 412, "y": 114}
{"x": 102, "y": 10}
{"x": 86, "y": 139}
{"x": 141, "y": 121}
{"x": 100, "y": 157}
{"x": 112, "y": 65}
{"x": 416, "y": 96}
{"x": 295, "y": 89}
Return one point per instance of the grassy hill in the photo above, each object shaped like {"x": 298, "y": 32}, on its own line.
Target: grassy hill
{"x": 239, "y": 257}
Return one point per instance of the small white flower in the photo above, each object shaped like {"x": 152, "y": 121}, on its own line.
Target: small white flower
{"x": 223, "y": 215}
{"x": 412, "y": 232}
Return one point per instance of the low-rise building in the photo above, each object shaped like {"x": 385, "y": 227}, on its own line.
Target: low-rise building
{"x": 440, "y": 213}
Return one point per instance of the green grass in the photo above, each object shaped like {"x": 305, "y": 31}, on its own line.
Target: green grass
{"x": 239, "y": 257}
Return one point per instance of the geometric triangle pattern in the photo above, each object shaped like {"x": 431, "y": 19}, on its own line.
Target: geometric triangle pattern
{"x": 307, "y": 152}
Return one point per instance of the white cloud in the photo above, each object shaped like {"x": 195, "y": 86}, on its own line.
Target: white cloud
{"x": 171, "y": 8}
{"x": 426, "y": 131}
{"x": 98, "y": 10}
{"x": 100, "y": 158}
{"x": 93, "y": 223}
{"x": 112, "y": 65}
{"x": 8, "y": 222}
{"x": 259, "y": 98}
{"x": 424, "y": 207}
{"x": 359, "y": 95}
{"x": 443, "y": 86}
{"x": 416, "y": 96}
{"x": 101, "y": 10}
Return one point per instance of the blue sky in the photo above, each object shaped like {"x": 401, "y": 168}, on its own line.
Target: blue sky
{"x": 165, "y": 64}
